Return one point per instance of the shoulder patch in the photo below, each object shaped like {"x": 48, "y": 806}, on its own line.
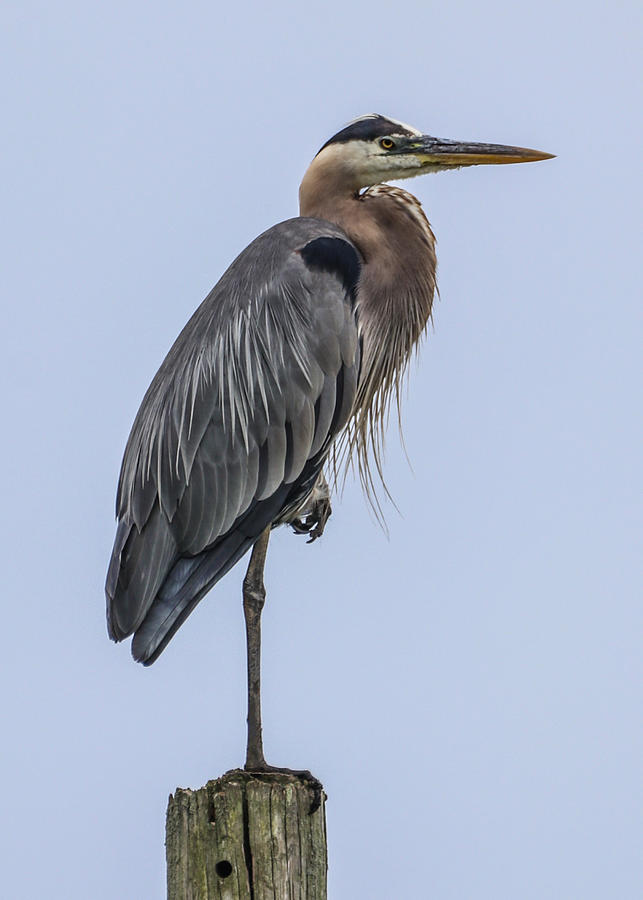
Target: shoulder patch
{"x": 334, "y": 255}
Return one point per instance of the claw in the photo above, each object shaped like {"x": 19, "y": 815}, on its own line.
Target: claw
{"x": 314, "y": 523}
{"x": 300, "y": 526}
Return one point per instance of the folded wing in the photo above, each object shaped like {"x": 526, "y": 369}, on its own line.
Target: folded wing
{"x": 235, "y": 426}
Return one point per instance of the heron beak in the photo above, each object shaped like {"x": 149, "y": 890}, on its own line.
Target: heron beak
{"x": 432, "y": 151}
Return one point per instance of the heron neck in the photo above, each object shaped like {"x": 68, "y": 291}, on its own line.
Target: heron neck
{"x": 389, "y": 228}
{"x": 394, "y": 296}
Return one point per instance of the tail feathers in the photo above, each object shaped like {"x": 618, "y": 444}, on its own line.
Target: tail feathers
{"x": 190, "y": 578}
{"x": 139, "y": 564}
{"x": 187, "y": 582}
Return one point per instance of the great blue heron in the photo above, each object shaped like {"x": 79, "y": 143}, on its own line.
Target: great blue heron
{"x": 304, "y": 340}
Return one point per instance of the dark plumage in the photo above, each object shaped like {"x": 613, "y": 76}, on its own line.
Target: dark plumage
{"x": 368, "y": 128}
{"x": 235, "y": 427}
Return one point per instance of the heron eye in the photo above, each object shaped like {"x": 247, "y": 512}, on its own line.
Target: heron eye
{"x": 387, "y": 144}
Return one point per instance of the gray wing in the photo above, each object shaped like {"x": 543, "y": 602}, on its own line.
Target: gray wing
{"x": 235, "y": 426}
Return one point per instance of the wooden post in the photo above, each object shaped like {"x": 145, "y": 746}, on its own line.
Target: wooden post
{"x": 247, "y": 837}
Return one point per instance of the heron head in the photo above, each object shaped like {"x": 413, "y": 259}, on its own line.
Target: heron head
{"x": 374, "y": 149}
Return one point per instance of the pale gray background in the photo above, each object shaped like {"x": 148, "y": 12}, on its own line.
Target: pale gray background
{"x": 466, "y": 690}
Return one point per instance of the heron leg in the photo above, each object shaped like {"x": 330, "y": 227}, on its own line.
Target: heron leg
{"x": 254, "y": 595}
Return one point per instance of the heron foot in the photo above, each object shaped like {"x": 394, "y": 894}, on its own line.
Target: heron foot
{"x": 313, "y": 783}
{"x": 314, "y": 522}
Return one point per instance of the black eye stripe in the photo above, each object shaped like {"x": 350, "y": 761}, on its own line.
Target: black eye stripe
{"x": 369, "y": 128}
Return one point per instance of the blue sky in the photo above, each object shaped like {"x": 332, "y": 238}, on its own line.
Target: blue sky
{"x": 466, "y": 688}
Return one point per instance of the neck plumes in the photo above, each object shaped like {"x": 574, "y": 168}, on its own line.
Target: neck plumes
{"x": 394, "y": 297}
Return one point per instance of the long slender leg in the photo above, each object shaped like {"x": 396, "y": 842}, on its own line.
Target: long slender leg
{"x": 254, "y": 595}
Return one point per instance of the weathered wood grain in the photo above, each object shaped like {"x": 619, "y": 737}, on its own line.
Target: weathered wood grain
{"x": 246, "y": 837}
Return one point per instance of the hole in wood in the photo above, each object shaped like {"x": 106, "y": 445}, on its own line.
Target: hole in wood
{"x": 223, "y": 868}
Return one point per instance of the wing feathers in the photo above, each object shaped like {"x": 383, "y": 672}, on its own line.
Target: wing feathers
{"x": 301, "y": 428}
{"x": 235, "y": 426}
{"x": 137, "y": 570}
{"x": 324, "y": 413}
{"x": 252, "y": 479}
